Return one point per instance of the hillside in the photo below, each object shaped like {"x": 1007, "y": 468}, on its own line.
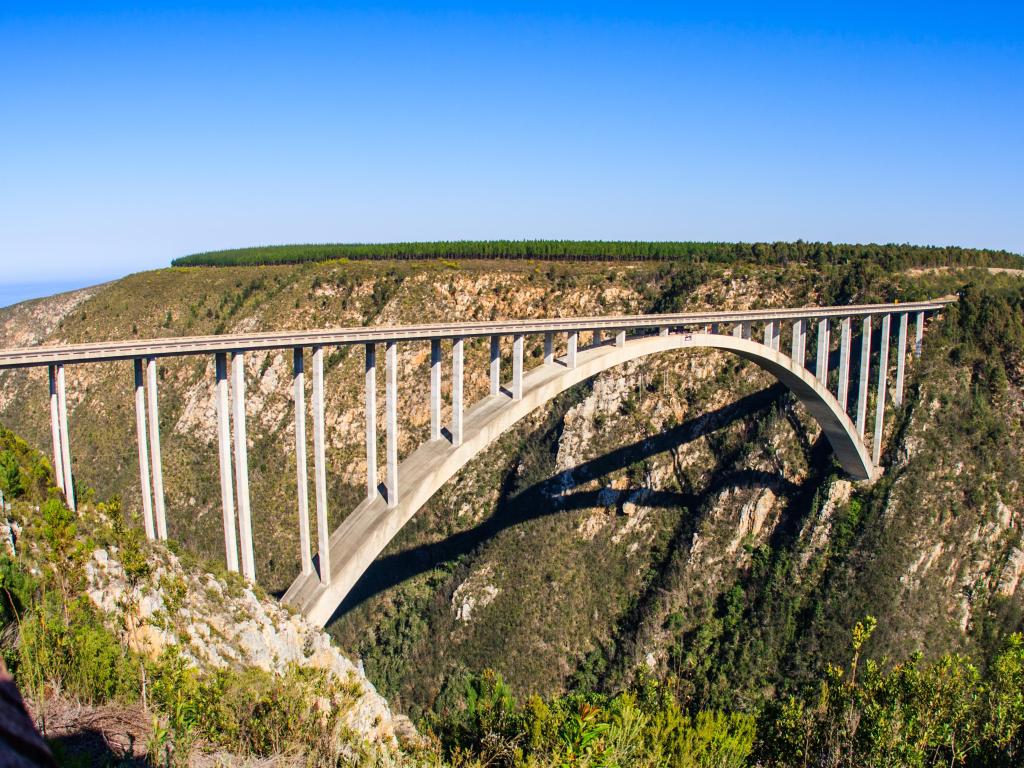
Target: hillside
{"x": 684, "y": 517}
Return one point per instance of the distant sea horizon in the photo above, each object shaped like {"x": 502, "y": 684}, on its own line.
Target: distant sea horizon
{"x": 15, "y": 293}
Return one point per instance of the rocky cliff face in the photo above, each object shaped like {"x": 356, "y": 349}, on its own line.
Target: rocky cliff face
{"x": 674, "y": 515}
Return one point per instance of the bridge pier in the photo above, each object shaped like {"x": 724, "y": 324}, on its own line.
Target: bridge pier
{"x": 301, "y": 476}
{"x": 65, "y": 443}
{"x": 58, "y": 460}
{"x": 391, "y": 417}
{"x": 620, "y": 339}
{"x": 797, "y": 348}
{"x": 883, "y": 376}
{"x": 435, "y": 388}
{"x": 663, "y": 331}
{"x": 140, "y": 437}
{"x": 320, "y": 465}
{"x": 570, "y": 353}
{"x": 549, "y": 348}
{"x": 457, "y": 400}
{"x": 517, "y": 367}
{"x": 844, "y": 363}
{"x": 901, "y": 359}
{"x": 242, "y": 464}
{"x": 823, "y": 345}
{"x": 918, "y": 334}
{"x": 865, "y": 365}
{"x": 495, "y": 364}
{"x": 227, "y": 493}
{"x": 159, "y": 510}
{"x": 370, "y": 390}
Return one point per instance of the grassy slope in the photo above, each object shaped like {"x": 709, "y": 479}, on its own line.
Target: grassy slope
{"x": 584, "y": 590}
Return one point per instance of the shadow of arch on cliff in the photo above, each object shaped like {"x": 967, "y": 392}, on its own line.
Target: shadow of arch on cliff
{"x": 549, "y": 497}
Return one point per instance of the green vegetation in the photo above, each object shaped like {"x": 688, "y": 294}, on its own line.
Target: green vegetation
{"x": 887, "y": 256}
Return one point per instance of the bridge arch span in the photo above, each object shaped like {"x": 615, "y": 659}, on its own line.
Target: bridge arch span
{"x": 364, "y": 534}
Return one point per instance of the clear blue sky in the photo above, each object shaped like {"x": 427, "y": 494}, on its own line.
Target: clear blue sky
{"x": 129, "y": 137}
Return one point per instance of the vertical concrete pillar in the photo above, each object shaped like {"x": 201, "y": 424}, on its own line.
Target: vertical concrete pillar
{"x": 663, "y": 331}
{"x": 549, "y": 348}
{"x": 159, "y": 512}
{"x": 918, "y": 334}
{"x": 320, "y": 466}
{"x": 65, "y": 444}
{"x": 844, "y": 362}
{"x": 865, "y": 367}
{"x": 747, "y": 332}
{"x": 901, "y": 359}
{"x": 370, "y": 393}
{"x": 435, "y": 389}
{"x": 391, "y": 419}
{"x": 798, "y": 332}
{"x": 301, "y": 476}
{"x": 620, "y": 339}
{"x": 58, "y": 459}
{"x": 597, "y": 337}
{"x": 495, "y": 365}
{"x": 737, "y": 331}
{"x": 140, "y": 439}
{"x": 517, "y": 367}
{"x": 242, "y": 464}
{"x": 776, "y": 335}
{"x": 823, "y": 344}
{"x": 769, "y": 332}
{"x": 227, "y": 493}
{"x": 883, "y": 374}
{"x": 570, "y": 355}
{"x": 457, "y": 351}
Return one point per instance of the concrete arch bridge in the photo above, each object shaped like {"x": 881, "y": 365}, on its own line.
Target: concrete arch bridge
{"x": 344, "y": 554}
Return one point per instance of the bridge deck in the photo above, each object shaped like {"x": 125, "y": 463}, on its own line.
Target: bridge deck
{"x": 126, "y": 350}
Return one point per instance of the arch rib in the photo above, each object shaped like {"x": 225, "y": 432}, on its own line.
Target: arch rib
{"x": 364, "y": 534}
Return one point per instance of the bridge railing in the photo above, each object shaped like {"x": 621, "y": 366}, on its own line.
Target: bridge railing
{"x": 229, "y": 391}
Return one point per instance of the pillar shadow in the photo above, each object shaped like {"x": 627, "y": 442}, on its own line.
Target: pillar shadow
{"x": 551, "y": 496}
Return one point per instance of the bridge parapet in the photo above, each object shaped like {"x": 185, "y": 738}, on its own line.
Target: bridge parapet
{"x": 342, "y": 555}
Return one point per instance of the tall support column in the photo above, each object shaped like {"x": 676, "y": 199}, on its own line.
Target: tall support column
{"x": 301, "y": 476}
{"x": 620, "y": 339}
{"x": 227, "y": 493}
{"x": 865, "y": 367}
{"x": 883, "y": 374}
{"x": 570, "y": 355}
{"x": 823, "y": 344}
{"x": 597, "y": 337}
{"x": 769, "y": 332}
{"x": 242, "y": 464}
{"x": 776, "y": 335}
{"x": 65, "y": 444}
{"x": 747, "y": 332}
{"x": 549, "y": 348}
{"x": 901, "y": 360}
{"x": 320, "y": 466}
{"x": 798, "y": 332}
{"x": 517, "y": 367}
{"x": 58, "y": 459}
{"x": 391, "y": 420}
{"x": 737, "y": 331}
{"x": 140, "y": 438}
{"x": 371, "y": 417}
{"x": 918, "y": 333}
{"x": 844, "y": 362}
{"x": 435, "y": 389}
{"x": 495, "y": 364}
{"x": 159, "y": 512}
{"x": 457, "y": 351}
